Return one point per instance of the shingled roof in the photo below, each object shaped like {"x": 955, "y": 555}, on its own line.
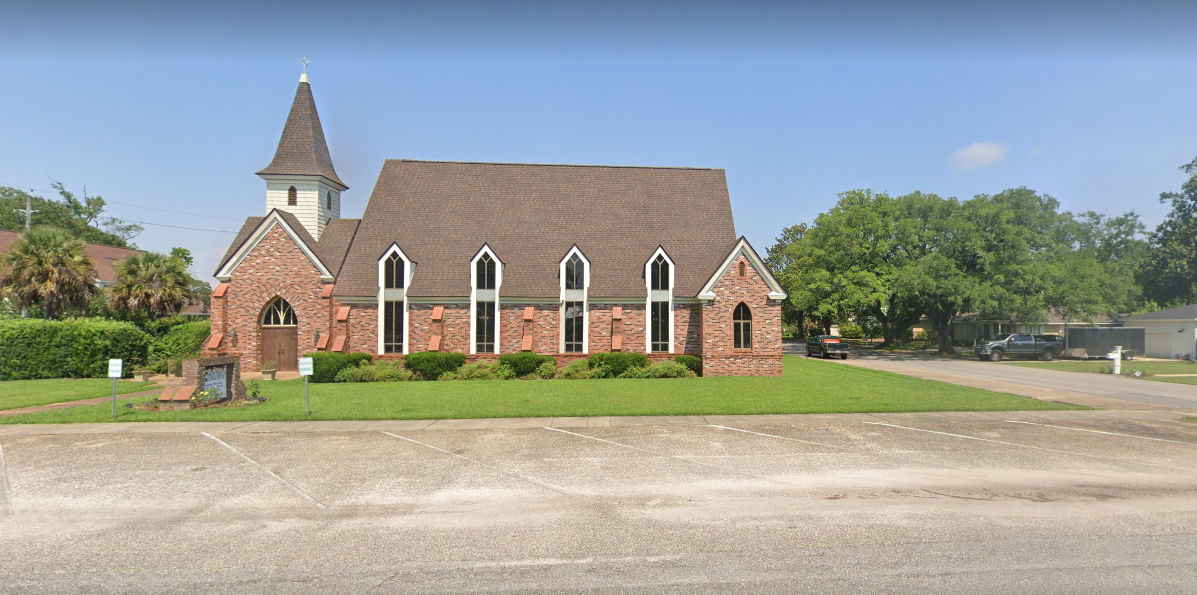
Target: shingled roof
{"x": 441, "y": 213}
{"x": 302, "y": 149}
{"x": 103, "y": 256}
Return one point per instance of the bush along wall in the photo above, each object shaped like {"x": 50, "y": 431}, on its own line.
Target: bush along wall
{"x": 326, "y": 364}
{"x": 179, "y": 342}
{"x": 431, "y": 365}
{"x": 525, "y": 363}
{"x": 71, "y": 348}
{"x": 617, "y": 363}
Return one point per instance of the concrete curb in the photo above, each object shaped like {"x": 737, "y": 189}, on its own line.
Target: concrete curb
{"x": 506, "y": 423}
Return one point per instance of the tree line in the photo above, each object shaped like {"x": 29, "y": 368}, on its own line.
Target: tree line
{"x": 891, "y": 260}
{"x": 46, "y": 273}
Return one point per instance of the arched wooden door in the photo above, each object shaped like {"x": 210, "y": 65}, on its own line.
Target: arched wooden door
{"x": 280, "y": 336}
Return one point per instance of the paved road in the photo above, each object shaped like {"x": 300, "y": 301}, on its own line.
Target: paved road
{"x": 1004, "y": 377}
{"x": 1082, "y": 503}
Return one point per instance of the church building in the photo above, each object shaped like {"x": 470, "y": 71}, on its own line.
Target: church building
{"x": 492, "y": 258}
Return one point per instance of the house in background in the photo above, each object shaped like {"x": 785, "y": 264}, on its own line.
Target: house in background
{"x": 1171, "y": 333}
{"x": 967, "y": 328}
{"x": 104, "y": 257}
{"x": 492, "y": 258}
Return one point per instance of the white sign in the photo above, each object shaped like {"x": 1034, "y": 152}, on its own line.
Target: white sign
{"x": 216, "y": 382}
{"x": 115, "y": 367}
{"x": 305, "y": 366}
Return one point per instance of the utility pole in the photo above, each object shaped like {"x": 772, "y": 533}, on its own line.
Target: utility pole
{"x": 28, "y": 212}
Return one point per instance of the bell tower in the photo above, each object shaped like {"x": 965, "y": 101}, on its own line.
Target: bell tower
{"x": 301, "y": 179}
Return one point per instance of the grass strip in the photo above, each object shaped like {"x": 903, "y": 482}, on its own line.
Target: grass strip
{"x": 807, "y": 386}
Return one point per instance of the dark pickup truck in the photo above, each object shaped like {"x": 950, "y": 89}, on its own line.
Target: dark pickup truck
{"x": 826, "y": 346}
{"x": 1044, "y": 347}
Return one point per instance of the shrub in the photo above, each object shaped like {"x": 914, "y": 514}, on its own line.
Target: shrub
{"x": 433, "y": 364}
{"x": 851, "y": 331}
{"x": 616, "y": 363}
{"x": 669, "y": 370}
{"x": 326, "y": 364}
{"x": 693, "y": 362}
{"x": 548, "y": 369}
{"x": 179, "y": 342}
{"x": 374, "y": 372}
{"x": 634, "y": 372}
{"x": 505, "y": 372}
{"x": 447, "y": 376}
{"x": 578, "y": 369}
{"x": 525, "y": 362}
{"x": 71, "y": 348}
{"x": 478, "y": 371}
{"x": 162, "y": 326}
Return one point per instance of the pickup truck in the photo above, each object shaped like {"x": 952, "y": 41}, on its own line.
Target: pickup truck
{"x": 826, "y": 346}
{"x": 1044, "y": 347}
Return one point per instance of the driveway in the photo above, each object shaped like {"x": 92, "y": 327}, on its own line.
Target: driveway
{"x": 1098, "y": 390}
{"x": 1060, "y": 502}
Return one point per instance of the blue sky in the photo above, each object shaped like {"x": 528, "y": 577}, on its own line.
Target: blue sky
{"x": 1089, "y": 102}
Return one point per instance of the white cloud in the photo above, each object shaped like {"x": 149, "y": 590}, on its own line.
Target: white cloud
{"x": 979, "y": 155}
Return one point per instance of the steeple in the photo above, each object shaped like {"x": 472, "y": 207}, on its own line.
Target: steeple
{"x": 302, "y": 150}
{"x": 301, "y": 179}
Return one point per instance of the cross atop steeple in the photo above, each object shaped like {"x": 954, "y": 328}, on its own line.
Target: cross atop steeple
{"x": 303, "y": 78}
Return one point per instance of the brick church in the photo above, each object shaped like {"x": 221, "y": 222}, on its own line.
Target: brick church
{"x": 491, "y": 258}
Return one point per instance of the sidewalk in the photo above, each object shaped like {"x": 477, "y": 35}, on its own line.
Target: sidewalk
{"x": 504, "y": 423}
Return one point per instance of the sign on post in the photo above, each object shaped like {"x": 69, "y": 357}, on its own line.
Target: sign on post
{"x": 305, "y": 370}
{"x": 115, "y": 369}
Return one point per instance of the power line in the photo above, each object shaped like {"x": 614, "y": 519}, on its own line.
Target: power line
{"x": 180, "y": 227}
{"x": 113, "y": 202}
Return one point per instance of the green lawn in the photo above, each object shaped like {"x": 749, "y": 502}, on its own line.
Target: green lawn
{"x": 1100, "y": 366}
{"x": 808, "y": 386}
{"x": 1176, "y": 379}
{"x": 27, "y": 393}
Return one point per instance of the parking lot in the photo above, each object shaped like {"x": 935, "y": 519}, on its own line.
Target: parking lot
{"x": 1056, "y": 501}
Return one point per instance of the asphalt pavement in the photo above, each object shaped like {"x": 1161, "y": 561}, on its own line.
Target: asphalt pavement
{"x": 1062, "y": 502}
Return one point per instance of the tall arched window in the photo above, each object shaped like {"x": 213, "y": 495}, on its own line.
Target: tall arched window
{"x": 742, "y": 327}
{"x": 393, "y": 272}
{"x": 292, "y": 196}
{"x": 486, "y": 272}
{"x": 575, "y": 273}
{"x": 328, "y": 200}
{"x": 279, "y": 313}
{"x": 660, "y": 273}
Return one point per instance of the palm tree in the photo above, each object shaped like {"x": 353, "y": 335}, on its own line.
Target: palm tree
{"x": 150, "y": 285}
{"x": 47, "y": 267}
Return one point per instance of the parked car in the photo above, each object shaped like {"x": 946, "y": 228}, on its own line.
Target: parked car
{"x": 1044, "y": 347}
{"x": 826, "y": 346}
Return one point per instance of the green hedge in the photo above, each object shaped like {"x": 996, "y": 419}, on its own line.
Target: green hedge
{"x": 431, "y": 365}
{"x": 693, "y": 362}
{"x": 326, "y": 364}
{"x": 525, "y": 363}
{"x": 72, "y": 348}
{"x": 617, "y": 363}
{"x": 180, "y": 341}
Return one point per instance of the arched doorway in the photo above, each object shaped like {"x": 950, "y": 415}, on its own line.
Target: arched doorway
{"x": 280, "y": 336}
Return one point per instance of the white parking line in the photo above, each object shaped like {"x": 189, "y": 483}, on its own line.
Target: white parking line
{"x": 491, "y": 467}
{"x": 5, "y": 504}
{"x": 781, "y": 437}
{"x": 269, "y": 472}
{"x": 683, "y": 459}
{"x": 1066, "y": 452}
{"x": 1100, "y": 432}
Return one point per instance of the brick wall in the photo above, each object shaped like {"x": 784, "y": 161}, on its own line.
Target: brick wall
{"x": 720, "y": 358}
{"x": 687, "y": 329}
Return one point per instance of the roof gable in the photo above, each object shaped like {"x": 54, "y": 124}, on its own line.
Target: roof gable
{"x": 440, "y": 212}
{"x": 742, "y": 247}
{"x": 290, "y": 225}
